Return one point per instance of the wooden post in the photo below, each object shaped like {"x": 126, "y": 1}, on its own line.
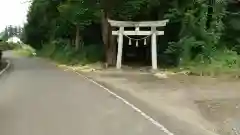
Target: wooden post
{"x": 120, "y": 48}
{"x": 154, "y": 49}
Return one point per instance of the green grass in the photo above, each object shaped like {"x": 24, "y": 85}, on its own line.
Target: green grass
{"x": 223, "y": 63}
{"x": 7, "y": 46}
{"x": 25, "y": 53}
{"x": 47, "y": 50}
{"x": 24, "y": 50}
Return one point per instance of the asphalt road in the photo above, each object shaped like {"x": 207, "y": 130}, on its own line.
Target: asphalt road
{"x": 36, "y": 98}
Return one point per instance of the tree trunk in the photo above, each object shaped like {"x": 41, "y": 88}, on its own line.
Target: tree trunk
{"x": 77, "y": 40}
{"x": 108, "y": 40}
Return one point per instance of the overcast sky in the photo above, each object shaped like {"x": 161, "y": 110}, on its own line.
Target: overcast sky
{"x": 13, "y": 12}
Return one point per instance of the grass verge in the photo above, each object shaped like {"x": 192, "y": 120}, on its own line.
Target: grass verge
{"x": 25, "y": 50}
{"x": 223, "y": 63}
{"x": 86, "y": 59}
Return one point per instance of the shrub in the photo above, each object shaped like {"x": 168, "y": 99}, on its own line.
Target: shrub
{"x": 62, "y": 52}
{"x": 222, "y": 62}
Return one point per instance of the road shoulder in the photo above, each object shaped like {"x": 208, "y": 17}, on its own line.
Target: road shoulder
{"x": 133, "y": 87}
{"x": 5, "y": 66}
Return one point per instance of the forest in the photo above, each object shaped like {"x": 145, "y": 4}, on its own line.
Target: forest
{"x": 201, "y": 34}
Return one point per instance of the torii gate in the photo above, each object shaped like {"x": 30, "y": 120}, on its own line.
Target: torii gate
{"x": 137, "y": 25}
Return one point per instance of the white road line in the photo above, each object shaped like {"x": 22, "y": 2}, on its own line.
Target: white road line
{"x": 156, "y": 123}
{"x": 8, "y": 65}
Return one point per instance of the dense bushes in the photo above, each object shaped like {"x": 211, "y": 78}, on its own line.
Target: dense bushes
{"x": 7, "y": 46}
{"x": 63, "y": 52}
{"x": 25, "y": 50}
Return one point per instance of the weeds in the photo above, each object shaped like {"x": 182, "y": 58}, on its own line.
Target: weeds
{"x": 66, "y": 54}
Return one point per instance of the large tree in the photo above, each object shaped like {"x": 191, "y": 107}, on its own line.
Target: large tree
{"x": 40, "y": 22}
{"x": 80, "y": 13}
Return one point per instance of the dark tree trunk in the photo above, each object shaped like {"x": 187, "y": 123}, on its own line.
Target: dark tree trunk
{"x": 108, "y": 40}
{"x": 77, "y": 40}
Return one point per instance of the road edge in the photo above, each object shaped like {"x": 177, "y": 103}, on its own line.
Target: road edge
{"x": 139, "y": 108}
{"x": 6, "y": 68}
{"x": 128, "y": 103}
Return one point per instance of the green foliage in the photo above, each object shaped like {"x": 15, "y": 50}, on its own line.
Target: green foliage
{"x": 47, "y": 50}
{"x": 62, "y": 52}
{"x": 127, "y": 9}
{"x": 4, "y": 46}
{"x": 207, "y": 37}
{"x": 223, "y": 63}
{"x": 78, "y": 12}
{"x": 185, "y": 49}
{"x": 41, "y": 22}
{"x": 201, "y": 29}
{"x": 25, "y": 50}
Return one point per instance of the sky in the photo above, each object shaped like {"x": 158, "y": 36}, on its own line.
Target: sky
{"x": 13, "y": 12}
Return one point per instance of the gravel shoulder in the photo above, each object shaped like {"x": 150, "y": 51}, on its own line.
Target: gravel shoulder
{"x": 184, "y": 104}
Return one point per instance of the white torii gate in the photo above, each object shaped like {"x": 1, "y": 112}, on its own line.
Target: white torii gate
{"x": 137, "y": 25}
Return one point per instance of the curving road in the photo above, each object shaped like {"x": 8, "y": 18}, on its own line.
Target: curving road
{"x": 36, "y": 98}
